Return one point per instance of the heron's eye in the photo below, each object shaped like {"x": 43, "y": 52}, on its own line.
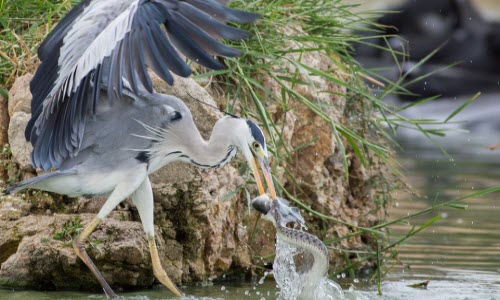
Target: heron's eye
{"x": 255, "y": 145}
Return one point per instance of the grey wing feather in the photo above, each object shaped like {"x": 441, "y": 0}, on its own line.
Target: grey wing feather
{"x": 100, "y": 43}
{"x": 117, "y": 135}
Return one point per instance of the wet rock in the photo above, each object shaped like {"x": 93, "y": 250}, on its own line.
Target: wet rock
{"x": 4, "y": 121}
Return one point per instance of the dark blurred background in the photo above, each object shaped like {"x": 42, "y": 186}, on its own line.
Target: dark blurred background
{"x": 460, "y": 43}
{"x": 464, "y": 41}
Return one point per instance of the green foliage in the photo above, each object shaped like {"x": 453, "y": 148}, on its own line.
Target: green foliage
{"x": 288, "y": 31}
{"x": 70, "y": 230}
{"x": 325, "y": 27}
{"x": 23, "y": 25}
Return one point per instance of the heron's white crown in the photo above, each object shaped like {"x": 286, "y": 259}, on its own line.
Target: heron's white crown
{"x": 244, "y": 134}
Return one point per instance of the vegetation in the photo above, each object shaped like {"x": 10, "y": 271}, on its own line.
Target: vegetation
{"x": 318, "y": 26}
{"x": 23, "y": 25}
{"x": 70, "y": 230}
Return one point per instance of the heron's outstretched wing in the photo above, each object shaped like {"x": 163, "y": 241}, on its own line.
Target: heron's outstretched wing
{"x": 100, "y": 43}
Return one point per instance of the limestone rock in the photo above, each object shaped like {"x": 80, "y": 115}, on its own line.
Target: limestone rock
{"x": 20, "y": 95}
{"x": 4, "y": 121}
{"x": 4, "y": 139}
{"x": 20, "y": 148}
{"x": 31, "y": 256}
{"x": 13, "y": 207}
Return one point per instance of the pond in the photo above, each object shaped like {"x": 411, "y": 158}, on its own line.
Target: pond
{"x": 459, "y": 255}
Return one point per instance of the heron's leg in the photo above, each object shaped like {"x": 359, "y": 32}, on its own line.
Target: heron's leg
{"x": 79, "y": 246}
{"x": 121, "y": 192}
{"x": 143, "y": 200}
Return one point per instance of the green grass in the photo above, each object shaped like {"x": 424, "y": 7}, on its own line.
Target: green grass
{"x": 23, "y": 25}
{"x": 70, "y": 230}
{"x": 318, "y": 26}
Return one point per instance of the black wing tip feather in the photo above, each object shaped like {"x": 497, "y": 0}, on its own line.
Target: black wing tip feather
{"x": 55, "y": 37}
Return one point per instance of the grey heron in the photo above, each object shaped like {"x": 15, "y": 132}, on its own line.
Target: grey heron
{"x": 108, "y": 144}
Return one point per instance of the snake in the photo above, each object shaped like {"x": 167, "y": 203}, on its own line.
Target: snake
{"x": 280, "y": 214}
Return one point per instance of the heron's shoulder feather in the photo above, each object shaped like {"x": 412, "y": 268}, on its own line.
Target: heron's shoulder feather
{"x": 124, "y": 130}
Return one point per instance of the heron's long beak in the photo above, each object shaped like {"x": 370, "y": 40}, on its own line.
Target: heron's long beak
{"x": 266, "y": 171}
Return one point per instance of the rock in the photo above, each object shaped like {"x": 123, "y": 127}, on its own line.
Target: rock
{"x": 32, "y": 257}
{"x": 13, "y": 207}
{"x": 20, "y": 148}
{"x": 4, "y": 139}
{"x": 20, "y": 95}
{"x": 4, "y": 121}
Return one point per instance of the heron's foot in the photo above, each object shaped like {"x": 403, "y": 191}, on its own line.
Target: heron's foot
{"x": 158, "y": 270}
{"x": 79, "y": 247}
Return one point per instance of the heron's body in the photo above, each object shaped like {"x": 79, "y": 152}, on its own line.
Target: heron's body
{"x": 144, "y": 138}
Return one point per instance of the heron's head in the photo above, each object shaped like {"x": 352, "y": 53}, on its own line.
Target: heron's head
{"x": 249, "y": 138}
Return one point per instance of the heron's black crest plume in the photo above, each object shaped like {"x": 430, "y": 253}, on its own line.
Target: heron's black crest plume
{"x": 257, "y": 133}
{"x": 213, "y": 106}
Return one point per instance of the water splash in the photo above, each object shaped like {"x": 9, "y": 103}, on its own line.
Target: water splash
{"x": 294, "y": 283}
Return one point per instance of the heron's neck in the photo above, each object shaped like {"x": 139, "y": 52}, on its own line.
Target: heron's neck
{"x": 214, "y": 153}
{"x": 189, "y": 146}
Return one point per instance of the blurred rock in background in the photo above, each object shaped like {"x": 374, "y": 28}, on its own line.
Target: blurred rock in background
{"x": 467, "y": 45}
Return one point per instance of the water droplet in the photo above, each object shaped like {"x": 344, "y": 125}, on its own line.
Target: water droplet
{"x": 261, "y": 281}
